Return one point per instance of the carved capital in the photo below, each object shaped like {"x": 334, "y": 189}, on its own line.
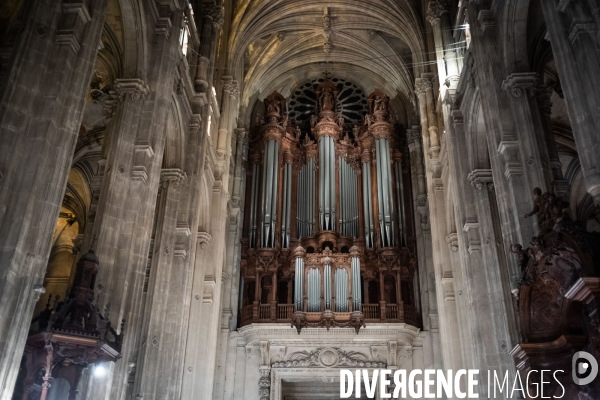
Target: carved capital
{"x": 231, "y": 87}
{"x": 135, "y": 89}
{"x": 480, "y": 177}
{"x": 172, "y": 175}
{"x": 519, "y": 83}
{"x": 214, "y": 13}
{"x": 452, "y": 240}
{"x": 413, "y": 135}
{"x": 422, "y": 84}
{"x": 203, "y": 238}
{"x": 436, "y": 9}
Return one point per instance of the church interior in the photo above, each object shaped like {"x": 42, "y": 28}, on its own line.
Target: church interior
{"x": 235, "y": 199}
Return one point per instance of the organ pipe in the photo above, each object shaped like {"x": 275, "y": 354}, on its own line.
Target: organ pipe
{"x": 287, "y": 200}
{"x": 326, "y": 183}
{"x": 253, "y": 205}
{"x": 299, "y": 280}
{"x": 385, "y": 199}
{"x": 305, "y": 200}
{"x": 348, "y": 199}
{"x": 269, "y": 193}
{"x": 327, "y": 286}
{"x": 314, "y": 290}
{"x": 341, "y": 290}
{"x": 368, "y": 204}
{"x": 356, "y": 283}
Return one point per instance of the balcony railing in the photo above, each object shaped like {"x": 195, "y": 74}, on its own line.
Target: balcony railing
{"x": 382, "y": 312}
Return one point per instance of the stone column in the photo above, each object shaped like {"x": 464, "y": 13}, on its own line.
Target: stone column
{"x": 531, "y": 138}
{"x": 560, "y": 184}
{"x": 159, "y": 338}
{"x": 438, "y": 16}
{"x": 264, "y": 383}
{"x": 490, "y": 323}
{"x": 573, "y": 28}
{"x": 230, "y": 93}
{"x": 231, "y": 273}
{"x": 212, "y": 20}
{"x": 40, "y": 115}
{"x": 429, "y": 126}
{"x": 125, "y": 213}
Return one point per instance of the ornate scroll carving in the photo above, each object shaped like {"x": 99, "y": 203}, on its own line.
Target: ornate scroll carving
{"x": 328, "y": 357}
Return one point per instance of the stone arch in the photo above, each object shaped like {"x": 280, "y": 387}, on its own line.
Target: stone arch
{"x": 515, "y": 19}
{"x": 173, "y": 156}
{"x": 204, "y": 206}
{"x": 135, "y": 42}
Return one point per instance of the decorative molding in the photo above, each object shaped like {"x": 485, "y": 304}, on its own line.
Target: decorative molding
{"x": 328, "y": 357}
{"x": 486, "y": 20}
{"x": 74, "y": 18}
{"x": 581, "y": 28}
{"x": 209, "y": 285}
{"x": 472, "y": 229}
{"x": 135, "y": 88}
{"x": 452, "y": 240}
{"x": 519, "y": 82}
{"x": 510, "y": 150}
{"x": 203, "y": 238}
{"x": 142, "y": 155}
{"x": 172, "y": 175}
{"x": 480, "y": 177}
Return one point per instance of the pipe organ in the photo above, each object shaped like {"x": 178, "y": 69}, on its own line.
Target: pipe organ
{"x": 326, "y": 238}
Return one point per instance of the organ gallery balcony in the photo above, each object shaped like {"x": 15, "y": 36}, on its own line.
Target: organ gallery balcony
{"x": 326, "y": 235}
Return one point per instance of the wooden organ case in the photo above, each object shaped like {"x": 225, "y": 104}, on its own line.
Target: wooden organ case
{"x": 327, "y": 232}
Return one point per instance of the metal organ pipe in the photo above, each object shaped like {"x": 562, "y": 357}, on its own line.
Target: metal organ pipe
{"x": 270, "y": 178}
{"x": 299, "y": 284}
{"x": 287, "y": 200}
{"x": 367, "y": 203}
{"x": 305, "y": 200}
{"x": 341, "y": 290}
{"x": 384, "y": 183}
{"x": 327, "y": 288}
{"x": 327, "y": 183}
{"x": 356, "y": 284}
{"x": 314, "y": 290}
{"x": 253, "y": 205}
{"x": 348, "y": 199}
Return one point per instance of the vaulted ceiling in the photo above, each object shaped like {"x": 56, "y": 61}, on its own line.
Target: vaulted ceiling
{"x": 280, "y": 44}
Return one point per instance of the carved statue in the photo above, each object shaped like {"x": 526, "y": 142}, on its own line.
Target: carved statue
{"x": 521, "y": 254}
{"x": 340, "y": 120}
{"x": 381, "y": 103}
{"x": 539, "y": 205}
{"x": 549, "y": 208}
{"x": 326, "y": 99}
{"x": 273, "y": 107}
{"x": 298, "y": 132}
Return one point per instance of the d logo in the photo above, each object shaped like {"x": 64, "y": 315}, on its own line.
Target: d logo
{"x": 584, "y": 367}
